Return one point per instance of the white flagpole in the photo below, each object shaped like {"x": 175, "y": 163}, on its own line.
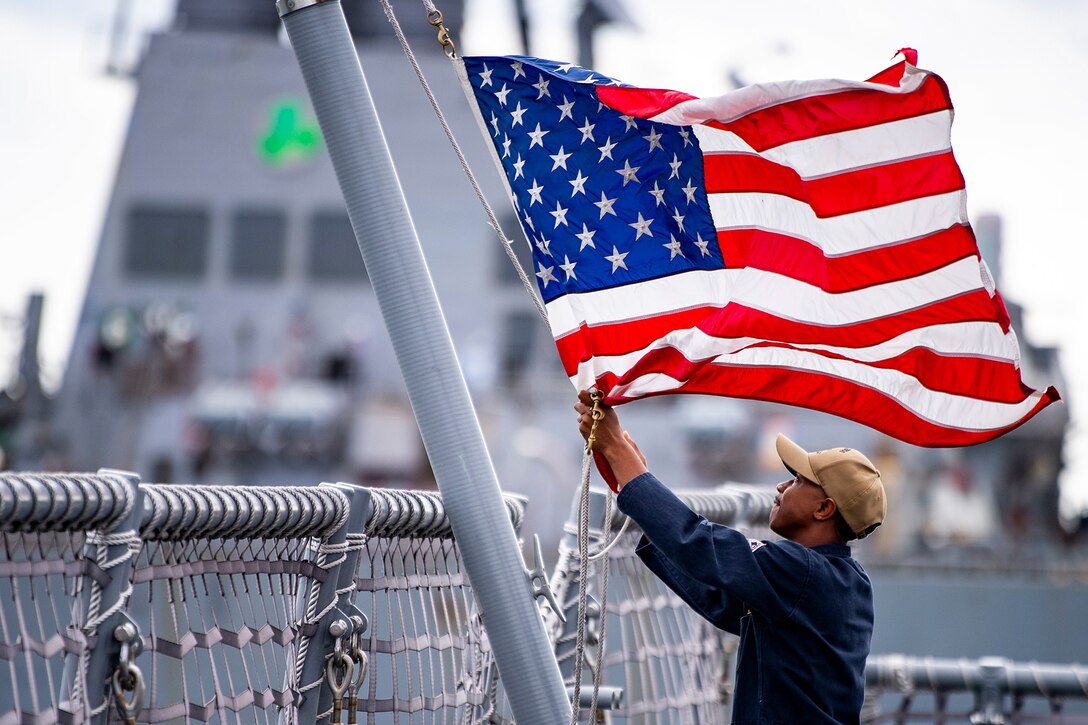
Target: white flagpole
{"x": 436, "y": 387}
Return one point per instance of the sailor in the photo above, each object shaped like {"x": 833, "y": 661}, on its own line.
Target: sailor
{"x": 802, "y": 606}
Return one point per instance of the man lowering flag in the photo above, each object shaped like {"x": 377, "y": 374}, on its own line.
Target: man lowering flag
{"x": 803, "y": 242}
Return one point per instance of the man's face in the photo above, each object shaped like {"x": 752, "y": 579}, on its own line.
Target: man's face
{"x": 794, "y": 505}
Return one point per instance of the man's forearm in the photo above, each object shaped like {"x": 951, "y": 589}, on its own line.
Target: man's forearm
{"x": 624, "y": 460}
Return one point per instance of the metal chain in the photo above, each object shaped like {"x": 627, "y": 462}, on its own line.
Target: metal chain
{"x": 127, "y": 677}
{"x": 361, "y": 665}
{"x": 492, "y": 219}
{"x": 338, "y": 670}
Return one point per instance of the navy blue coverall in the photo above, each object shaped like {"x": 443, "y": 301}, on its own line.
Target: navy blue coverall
{"x": 804, "y": 615}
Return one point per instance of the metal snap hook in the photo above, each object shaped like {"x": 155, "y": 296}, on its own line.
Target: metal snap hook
{"x": 128, "y": 678}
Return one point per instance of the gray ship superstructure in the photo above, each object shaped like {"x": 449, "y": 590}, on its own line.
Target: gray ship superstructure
{"x": 229, "y": 320}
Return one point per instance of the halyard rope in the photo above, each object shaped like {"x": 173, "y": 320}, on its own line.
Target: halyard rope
{"x": 584, "y": 499}
{"x": 491, "y": 218}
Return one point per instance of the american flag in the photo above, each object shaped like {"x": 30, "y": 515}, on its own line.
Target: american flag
{"x": 802, "y": 242}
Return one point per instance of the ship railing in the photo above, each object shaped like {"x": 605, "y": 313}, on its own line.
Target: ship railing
{"x": 130, "y": 602}
{"x": 984, "y": 691}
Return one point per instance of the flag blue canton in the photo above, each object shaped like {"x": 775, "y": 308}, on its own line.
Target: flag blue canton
{"x": 603, "y": 198}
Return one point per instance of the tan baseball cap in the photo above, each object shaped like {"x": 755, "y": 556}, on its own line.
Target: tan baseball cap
{"x": 849, "y": 478}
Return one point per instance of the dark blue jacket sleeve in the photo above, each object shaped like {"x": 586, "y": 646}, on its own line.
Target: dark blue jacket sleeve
{"x": 714, "y": 605}
{"x": 769, "y": 579}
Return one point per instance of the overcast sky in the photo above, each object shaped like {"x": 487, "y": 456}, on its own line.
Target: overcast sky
{"x": 1015, "y": 69}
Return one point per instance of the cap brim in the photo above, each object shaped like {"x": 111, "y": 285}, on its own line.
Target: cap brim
{"x": 794, "y": 458}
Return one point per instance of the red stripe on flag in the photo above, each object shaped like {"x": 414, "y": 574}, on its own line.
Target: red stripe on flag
{"x": 981, "y": 378}
{"x": 641, "y": 102}
{"x": 842, "y": 193}
{"x": 1001, "y": 311}
{"x": 619, "y": 338}
{"x": 737, "y": 321}
{"x": 835, "y": 112}
{"x": 825, "y": 393}
{"x": 978, "y": 377}
{"x": 892, "y": 75}
{"x": 804, "y": 261}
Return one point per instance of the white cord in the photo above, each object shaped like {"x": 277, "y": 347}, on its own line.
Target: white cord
{"x": 491, "y": 218}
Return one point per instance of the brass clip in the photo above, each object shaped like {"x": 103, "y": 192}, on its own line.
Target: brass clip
{"x": 435, "y": 18}
{"x": 596, "y": 414}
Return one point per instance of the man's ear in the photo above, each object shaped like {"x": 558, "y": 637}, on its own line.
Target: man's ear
{"x": 825, "y": 510}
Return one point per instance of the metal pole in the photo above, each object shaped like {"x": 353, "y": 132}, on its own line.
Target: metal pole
{"x": 322, "y": 623}
{"x": 114, "y": 552}
{"x": 436, "y": 388}
{"x": 354, "y": 536}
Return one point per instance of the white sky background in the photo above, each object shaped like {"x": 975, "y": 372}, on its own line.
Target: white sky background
{"x": 1017, "y": 71}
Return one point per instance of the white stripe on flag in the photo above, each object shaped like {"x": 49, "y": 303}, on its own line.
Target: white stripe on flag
{"x": 837, "y": 152}
{"x": 965, "y": 339}
{"x": 944, "y": 409}
{"x": 774, "y": 293}
{"x": 743, "y": 101}
{"x": 843, "y": 234}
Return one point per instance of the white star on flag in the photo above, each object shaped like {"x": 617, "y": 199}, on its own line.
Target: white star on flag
{"x": 568, "y": 267}
{"x": 587, "y": 130}
{"x": 519, "y": 167}
{"x": 517, "y": 66}
{"x": 537, "y": 137}
{"x": 579, "y": 183}
{"x": 654, "y": 138}
{"x": 674, "y": 248}
{"x": 516, "y": 114}
{"x": 542, "y": 86}
{"x": 606, "y": 150}
{"x": 546, "y": 275}
{"x": 534, "y": 193}
{"x": 501, "y": 95}
{"x": 616, "y": 258}
{"x": 642, "y": 226}
{"x": 565, "y": 109}
{"x": 689, "y": 191}
{"x": 560, "y": 214}
{"x": 675, "y": 165}
{"x": 628, "y": 172}
{"x": 629, "y": 122}
{"x": 485, "y": 77}
{"x": 702, "y": 245}
{"x": 678, "y": 219}
{"x": 658, "y": 194}
{"x": 560, "y": 159}
{"x": 605, "y": 205}
{"x": 587, "y": 237}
